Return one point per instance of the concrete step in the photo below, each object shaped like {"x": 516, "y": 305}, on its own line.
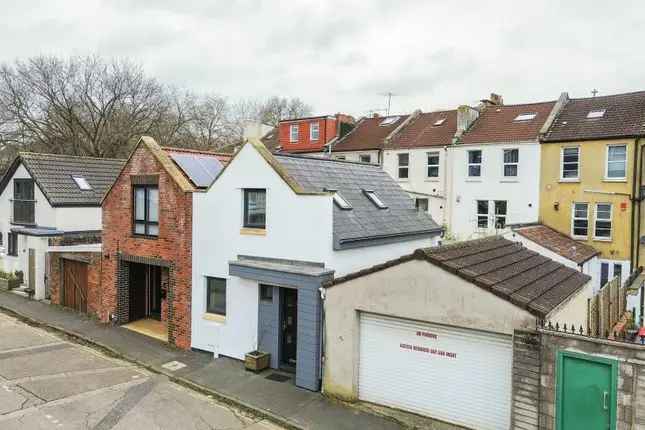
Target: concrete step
{"x": 18, "y": 292}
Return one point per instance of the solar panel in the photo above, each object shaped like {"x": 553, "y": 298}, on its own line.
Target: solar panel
{"x": 200, "y": 169}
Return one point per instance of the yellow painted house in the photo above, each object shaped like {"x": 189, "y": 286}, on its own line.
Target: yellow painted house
{"x": 591, "y": 177}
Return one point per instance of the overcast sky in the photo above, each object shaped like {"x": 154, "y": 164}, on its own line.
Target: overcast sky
{"x": 341, "y": 55}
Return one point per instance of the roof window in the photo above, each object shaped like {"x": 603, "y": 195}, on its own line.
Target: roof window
{"x": 82, "y": 183}
{"x": 375, "y": 199}
{"x": 440, "y": 121}
{"x": 596, "y": 113}
{"x": 389, "y": 121}
{"x": 339, "y": 200}
{"x": 525, "y": 116}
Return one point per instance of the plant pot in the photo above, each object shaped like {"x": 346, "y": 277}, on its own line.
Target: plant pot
{"x": 256, "y": 361}
{"x": 4, "y": 284}
{"x": 14, "y": 283}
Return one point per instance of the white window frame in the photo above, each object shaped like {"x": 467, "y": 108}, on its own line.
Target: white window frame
{"x": 618, "y": 179}
{"x": 596, "y": 219}
{"x": 374, "y": 198}
{"x": 577, "y": 177}
{"x": 481, "y": 160}
{"x": 482, "y": 215}
{"x": 82, "y": 183}
{"x": 514, "y": 163}
{"x": 292, "y": 128}
{"x": 574, "y": 219}
{"x": 400, "y": 166}
{"x": 429, "y": 166}
{"x": 499, "y": 216}
{"x": 314, "y": 126}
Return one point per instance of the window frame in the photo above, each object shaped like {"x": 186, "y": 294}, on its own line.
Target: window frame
{"x": 515, "y": 164}
{"x": 610, "y": 221}
{"x": 497, "y": 216}
{"x": 362, "y": 156}
{"x": 208, "y": 296}
{"x": 470, "y": 164}
{"x": 266, "y": 297}
{"x": 574, "y": 219}
{"x": 82, "y": 183}
{"x": 433, "y": 166}
{"x": 29, "y": 203}
{"x": 146, "y": 211}
{"x": 375, "y": 199}
{"x": 12, "y": 244}
{"x": 311, "y": 130}
{"x": 401, "y": 167}
{"x": 604, "y": 264}
{"x": 293, "y": 127}
{"x": 578, "y": 164}
{"x": 422, "y": 199}
{"x": 617, "y": 179}
{"x": 482, "y": 215}
{"x": 245, "y": 223}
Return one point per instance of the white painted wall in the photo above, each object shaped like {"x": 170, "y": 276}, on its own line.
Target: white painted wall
{"x": 298, "y": 228}
{"x": 521, "y": 193}
{"x": 434, "y": 189}
{"x": 356, "y": 155}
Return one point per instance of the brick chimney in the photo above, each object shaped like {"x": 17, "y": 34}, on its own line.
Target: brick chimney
{"x": 493, "y": 100}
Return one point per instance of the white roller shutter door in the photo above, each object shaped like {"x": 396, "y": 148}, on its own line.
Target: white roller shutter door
{"x": 453, "y": 374}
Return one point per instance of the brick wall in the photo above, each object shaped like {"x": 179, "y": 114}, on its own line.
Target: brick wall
{"x": 93, "y": 261}
{"x": 172, "y": 248}
{"x": 534, "y": 381}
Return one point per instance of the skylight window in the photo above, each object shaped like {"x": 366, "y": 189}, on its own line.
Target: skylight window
{"x": 596, "y": 113}
{"x": 375, "y": 199}
{"x": 389, "y": 121}
{"x": 82, "y": 183}
{"x": 339, "y": 200}
{"x": 440, "y": 121}
{"x": 525, "y": 116}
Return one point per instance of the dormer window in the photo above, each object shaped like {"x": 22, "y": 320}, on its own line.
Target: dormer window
{"x": 374, "y": 198}
{"x": 599, "y": 113}
{"x": 525, "y": 116}
{"x": 82, "y": 183}
{"x": 389, "y": 121}
{"x": 439, "y": 122}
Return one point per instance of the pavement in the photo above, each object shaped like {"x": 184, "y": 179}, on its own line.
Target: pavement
{"x": 48, "y": 382}
{"x": 225, "y": 380}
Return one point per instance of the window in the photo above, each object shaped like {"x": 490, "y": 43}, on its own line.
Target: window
{"x": 570, "y": 163}
{"x": 12, "y": 244}
{"x": 421, "y": 205}
{"x": 82, "y": 183}
{"x": 475, "y": 163}
{"x": 266, "y": 293}
{"x": 433, "y": 165}
{"x": 482, "y": 213}
{"x": 216, "y": 296}
{"x": 340, "y": 201}
{"x": 602, "y": 229}
{"x": 525, "y": 116}
{"x": 618, "y": 272}
{"x": 23, "y": 202}
{"x": 374, "y": 198}
{"x": 616, "y": 162}
{"x": 314, "y": 131}
{"x": 293, "y": 133}
{"x": 580, "y": 222}
{"x": 511, "y": 158}
{"x": 500, "y": 214}
{"x": 389, "y": 121}
{"x": 365, "y": 158}
{"x": 404, "y": 164}
{"x": 596, "y": 113}
{"x": 146, "y": 210}
{"x": 340, "y": 157}
{"x": 255, "y": 208}
{"x": 604, "y": 274}
{"x": 439, "y": 122}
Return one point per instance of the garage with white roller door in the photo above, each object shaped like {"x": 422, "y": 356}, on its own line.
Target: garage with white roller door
{"x": 432, "y": 333}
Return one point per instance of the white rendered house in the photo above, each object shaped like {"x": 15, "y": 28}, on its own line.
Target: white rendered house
{"x": 270, "y": 231}
{"x": 44, "y": 196}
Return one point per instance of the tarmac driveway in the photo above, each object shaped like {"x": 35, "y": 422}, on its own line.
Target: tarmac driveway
{"x": 47, "y": 382}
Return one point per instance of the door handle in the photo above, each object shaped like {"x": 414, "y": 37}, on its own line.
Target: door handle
{"x": 604, "y": 400}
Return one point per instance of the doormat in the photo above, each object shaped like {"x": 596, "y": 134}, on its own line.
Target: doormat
{"x": 278, "y": 377}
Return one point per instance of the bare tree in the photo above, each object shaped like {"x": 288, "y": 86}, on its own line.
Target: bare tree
{"x": 275, "y": 108}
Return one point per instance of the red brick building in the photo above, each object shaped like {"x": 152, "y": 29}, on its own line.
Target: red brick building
{"x": 300, "y": 135}
{"x": 147, "y": 239}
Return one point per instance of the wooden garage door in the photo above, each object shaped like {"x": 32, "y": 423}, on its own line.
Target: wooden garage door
{"x": 75, "y": 285}
{"x": 453, "y": 374}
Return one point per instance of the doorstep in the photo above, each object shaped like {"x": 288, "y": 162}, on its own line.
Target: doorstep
{"x": 149, "y": 327}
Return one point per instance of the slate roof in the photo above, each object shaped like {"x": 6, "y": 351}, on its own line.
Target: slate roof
{"x": 511, "y": 271}
{"x": 624, "y": 117}
{"x": 421, "y": 131}
{"x": 367, "y": 134}
{"x": 364, "y": 222}
{"x": 496, "y": 124}
{"x": 557, "y": 242}
{"x": 53, "y": 175}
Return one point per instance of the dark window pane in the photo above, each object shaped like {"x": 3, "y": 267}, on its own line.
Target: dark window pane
{"x": 216, "y": 296}
{"x": 266, "y": 292}
{"x": 422, "y": 205}
{"x": 404, "y": 159}
{"x": 433, "y": 171}
{"x": 604, "y": 273}
{"x": 510, "y": 170}
{"x": 474, "y": 170}
{"x": 474, "y": 157}
{"x": 403, "y": 172}
{"x": 618, "y": 271}
{"x": 511, "y": 155}
{"x": 255, "y": 208}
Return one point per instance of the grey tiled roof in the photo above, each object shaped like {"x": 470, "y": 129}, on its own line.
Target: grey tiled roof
{"x": 53, "y": 175}
{"x": 364, "y": 223}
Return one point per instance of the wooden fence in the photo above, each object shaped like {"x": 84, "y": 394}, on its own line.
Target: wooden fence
{"x": 606, "y": 308}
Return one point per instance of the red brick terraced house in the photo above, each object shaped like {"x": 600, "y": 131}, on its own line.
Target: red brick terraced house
{"x": 147, "y": 239}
